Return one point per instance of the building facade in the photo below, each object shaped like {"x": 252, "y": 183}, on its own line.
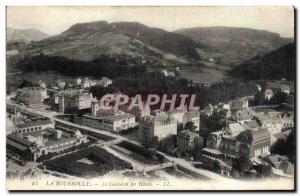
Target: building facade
{"x": 117, "y": 122}
{"x": 29, "y": 96}
{"x": 187, "y": 141}
{"x": 160, "y": 125}
{"x": 36, "y": 144}
{"x": 63, "y": 101}
{"x": 33, "y": 125}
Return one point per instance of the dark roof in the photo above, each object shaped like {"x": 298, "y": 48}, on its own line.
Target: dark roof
{"x": 249, "y": 136}
{"x": 18, "y": 139}
{"x": 260, "y": 133}
{"x": 280, "y": 135}
{"x": 251, "y": 124}
{"x": 275, "y": 160}
{"x": 287, "y": 167}
{"x": 187, "y": 132}
{"x": 16, "y": 145}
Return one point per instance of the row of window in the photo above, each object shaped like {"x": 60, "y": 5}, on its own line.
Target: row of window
{"x": 96, "y": 124}
{"x": 260, "y": 151}
{"x": 29, "y": 129}
{"x": 61, "y": 144}
{"x": 227, "y": 146}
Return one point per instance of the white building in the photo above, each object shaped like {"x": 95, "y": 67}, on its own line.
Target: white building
{"x": 168, "y": 73}
{"x": 78, "y": 81}
{"x": 105, "y": 82}
{"x": 268, "y": 94}
{"x": 286, "y": 89}
{"x": 43, "y": 89}
{"x": 115, "y": 123}
{"x": 87, "y": 83}
{"x": 183, "y": 117}
{"x": 287, "y": 119}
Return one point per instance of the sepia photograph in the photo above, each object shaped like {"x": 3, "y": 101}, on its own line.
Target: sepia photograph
{"x": 150, "y": 98}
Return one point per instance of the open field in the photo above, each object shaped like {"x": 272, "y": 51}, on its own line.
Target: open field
{"x": 207, "y": 75}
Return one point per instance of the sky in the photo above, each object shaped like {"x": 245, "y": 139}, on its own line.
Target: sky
{"x": 54, "y": 20}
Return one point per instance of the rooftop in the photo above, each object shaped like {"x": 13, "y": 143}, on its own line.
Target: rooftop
{"x": 187, "y": 132}
{"x": 35, "y": 122}
{"x": 254, "y": 135}
{"x": 116, "y": 117}
{"x": 252, "y": 124}
{"x": 25, "y": 140}
{"x": 212, "y": 151}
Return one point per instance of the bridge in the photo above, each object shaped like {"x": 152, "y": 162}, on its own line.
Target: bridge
{"x": 159, "y": 167}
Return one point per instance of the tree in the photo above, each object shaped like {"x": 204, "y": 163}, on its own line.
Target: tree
{"x": 241, "y": 164}
{"x": 154, "y": 142}
{"x": 179, "y": 127}
{"x": 216, "y": 165}
{"x": 259, "y": 98}
{"x": 151, "y": 142}
{"x": 280, "y": 97}
{"x": 26, "y": 83}
{"x": 263, "y": 170}
{"x": 190, "y": 126}
{"x": 285, "y": 147}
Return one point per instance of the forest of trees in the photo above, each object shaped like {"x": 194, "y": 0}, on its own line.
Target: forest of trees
{"x": 104, "y": 65}
{"x": 285, "y": 147}
{"x": 275, "y": 65}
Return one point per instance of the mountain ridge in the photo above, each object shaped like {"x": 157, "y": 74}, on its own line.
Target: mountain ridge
{"x": 221, "y": 45}
{"x": 275, "y": 65}
{"x": 233, "y": 45}
{"x": 27, "y": 35}
{"x": 113, "y": 37}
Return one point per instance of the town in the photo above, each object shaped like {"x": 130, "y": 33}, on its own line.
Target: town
{"x": 51, "y": 125}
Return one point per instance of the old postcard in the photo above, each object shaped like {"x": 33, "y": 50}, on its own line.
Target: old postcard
{"x": 150, "y": 98}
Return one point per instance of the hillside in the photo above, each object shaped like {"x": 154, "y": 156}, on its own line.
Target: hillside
{"x": 26, "y": 35}
{"x": 275, "y": 65}
{"x": 233, "y": 45}
{"x": 86, "y": 41}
